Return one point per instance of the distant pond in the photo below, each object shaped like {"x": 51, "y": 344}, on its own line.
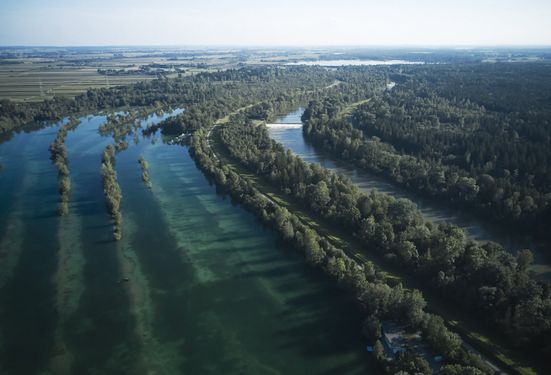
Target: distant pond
{"x": 343, "y": 62}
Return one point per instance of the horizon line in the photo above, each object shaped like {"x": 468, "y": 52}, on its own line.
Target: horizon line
{"x": 343, "y": 46}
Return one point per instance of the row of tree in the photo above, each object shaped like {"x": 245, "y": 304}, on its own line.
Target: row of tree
{"x": 145, "y": 171}
{"x": 58, "y": 154}
{"x": 477, "y": 135}
{"x": 482, "y": 279}
{"x": 112, "y": 190}
{"x": 251, "y": 84}
{"x": 265, "y": 101}
{"x": 380, "y": 300}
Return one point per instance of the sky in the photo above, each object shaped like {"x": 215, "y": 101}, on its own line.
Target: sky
{"x": 275, "y": 22}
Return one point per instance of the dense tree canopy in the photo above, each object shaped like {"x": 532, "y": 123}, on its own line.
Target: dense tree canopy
{"x": 228, "y": 89}
{"x": 476, "y": 135}
{"x": 481, "y": 278}
{"x": 380, "y": 300}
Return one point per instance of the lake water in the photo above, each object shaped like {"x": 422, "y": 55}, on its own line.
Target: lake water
{"x": 196, "y": 285}
{"x": 477, "y": 229}
{"x": 331, "y": 63}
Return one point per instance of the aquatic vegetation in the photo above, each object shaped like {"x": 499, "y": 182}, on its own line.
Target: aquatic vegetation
{"x": 121, "y": 146}
{"x": 145, "y": 171}
{"x": 119, "y": 126}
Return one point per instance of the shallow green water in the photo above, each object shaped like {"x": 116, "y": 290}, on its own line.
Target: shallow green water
{"x": 28, "y": 199}
{"x": 196, "y": 285}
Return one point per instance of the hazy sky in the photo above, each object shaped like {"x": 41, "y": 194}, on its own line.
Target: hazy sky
{"x": 275, "y": 22}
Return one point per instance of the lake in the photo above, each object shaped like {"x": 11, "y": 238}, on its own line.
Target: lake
{"x": 342, "y": 62}
{"x": 196, "y": 285}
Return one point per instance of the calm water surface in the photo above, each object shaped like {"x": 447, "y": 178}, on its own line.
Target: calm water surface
{"x": 196, "y": 285}
{"x": 343, "y": 62}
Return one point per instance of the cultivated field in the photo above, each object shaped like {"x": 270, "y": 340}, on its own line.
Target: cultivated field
{"x": 34, "y": 81}
{"x": 38, "y": 78}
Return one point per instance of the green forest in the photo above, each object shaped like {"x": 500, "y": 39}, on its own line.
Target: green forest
{"x": 475, "y": 135}
{"x": 487, "y": 278}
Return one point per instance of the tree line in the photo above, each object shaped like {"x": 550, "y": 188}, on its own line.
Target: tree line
{"x": 380, "y": 300}
{"x": 58, "y": 155}
{"x": 205, "y": 97}
{"x": 481, "y": 279}
{"x": 478, "y": 136}
{"x": 145, "y": 171}
{"x": 112, "y": 190}
{"x": 122, "y": 124}
{"x": 251, "y": 83}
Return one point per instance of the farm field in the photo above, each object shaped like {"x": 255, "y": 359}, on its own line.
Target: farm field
{"x": 33, "y": 79}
